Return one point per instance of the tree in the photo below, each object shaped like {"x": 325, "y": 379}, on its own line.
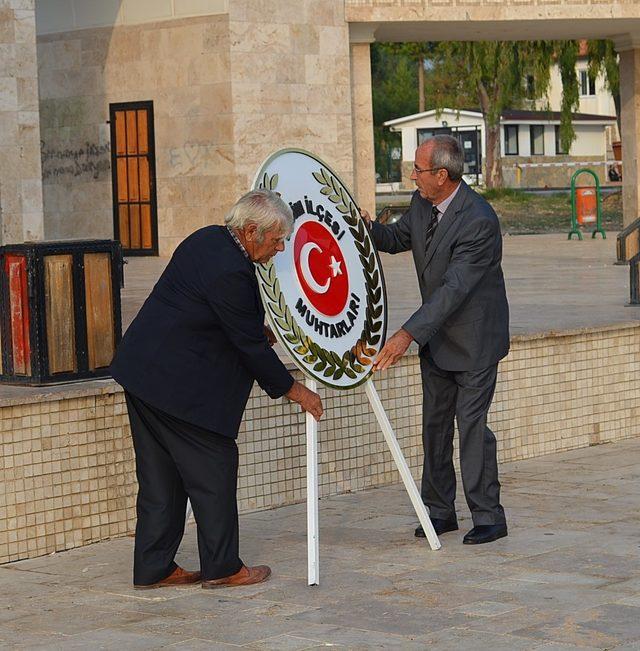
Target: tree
{"x": 445, "y": 86}
{"x": 417, "y": 53}
{"x": 494, "y": 75}
{"x": 603, "y": 58}
{"x": 498, "y": 70}
{"x": 394, "y": 95}
{"x": 566, "y": 53}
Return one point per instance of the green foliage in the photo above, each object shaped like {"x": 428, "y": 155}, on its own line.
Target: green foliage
{"x": 445, "y": 86}
{"x": 567, "y": 55}
{"x": 523, "y": 212}
{"x": 603, "y": 58}
{"x": 395, "y": 94}
{"x": 497, "y": 70}
{"x": 413, "y": 51}
{"x": 490, "y": 74}
{"x": 491, "y": 194}
{"x": 394, "y": 87}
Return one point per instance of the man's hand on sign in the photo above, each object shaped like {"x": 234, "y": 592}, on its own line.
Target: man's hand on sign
{"x": 366, "y": 216}
{"x": 307, "y": 399}
{"x": 270, "y": 336}
{"x": 393, "y": 350}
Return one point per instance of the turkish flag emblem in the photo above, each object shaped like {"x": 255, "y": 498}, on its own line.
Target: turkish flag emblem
{"x": 321, "y": 269}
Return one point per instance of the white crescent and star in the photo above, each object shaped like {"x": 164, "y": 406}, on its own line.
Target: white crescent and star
{"x": 335, "y": 266}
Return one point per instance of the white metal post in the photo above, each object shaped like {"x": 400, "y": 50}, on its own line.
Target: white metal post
{"x": 401, "y": 464}
{"x": 313, "y": 543}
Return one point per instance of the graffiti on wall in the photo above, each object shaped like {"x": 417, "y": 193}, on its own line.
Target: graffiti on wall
{"x": 196, "y": 157}
{"x": 89, "y": 162}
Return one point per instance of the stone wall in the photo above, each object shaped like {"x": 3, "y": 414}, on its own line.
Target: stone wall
{"x": 67, "y": 469}
{"x": 550, "y": 171}
{"x": 20, "y": 177}
{"x": 291, "y": 83}
{"x": 497, "y": 9}
{"x": 528, "y": 171}
{"x": 183, "y": 67}
{"x": 363, "y": 148}
{"x": 228, "y": 90}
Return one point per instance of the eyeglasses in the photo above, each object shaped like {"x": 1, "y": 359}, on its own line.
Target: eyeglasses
{"x": 417, "y": 170}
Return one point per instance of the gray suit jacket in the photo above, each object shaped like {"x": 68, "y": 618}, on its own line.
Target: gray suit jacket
{"x": 463, "y": 321}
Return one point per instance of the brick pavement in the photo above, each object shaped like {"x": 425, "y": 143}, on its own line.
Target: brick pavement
{"x": 567, "y": 577}
{"x": 553, "y": 284}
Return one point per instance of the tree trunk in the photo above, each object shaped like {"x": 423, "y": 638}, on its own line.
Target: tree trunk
{"x": 492, "y": 154}
{"x": 493, "y": 160}
{"x": 618, "y": 104}
{"x": 421, "y": 86}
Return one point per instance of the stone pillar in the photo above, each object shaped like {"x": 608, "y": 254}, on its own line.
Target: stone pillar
{"x": 289, "y": 63}
{"x": 21, "y": 215}
{"x": 362, "y": 118}
{"x": 630, "y": 122}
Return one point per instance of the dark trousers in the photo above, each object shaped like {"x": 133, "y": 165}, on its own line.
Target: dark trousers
{"x": 176, "y": 460}
{"x": 467, "y": 396}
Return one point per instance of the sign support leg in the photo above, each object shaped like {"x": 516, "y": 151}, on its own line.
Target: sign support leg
{"x": 313, "y": 544}
{"x": 401, "y": 464}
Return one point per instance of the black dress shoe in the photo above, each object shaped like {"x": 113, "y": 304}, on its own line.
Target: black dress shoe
{"x": 485, "y": 533}
{"x": 440, "y": 526}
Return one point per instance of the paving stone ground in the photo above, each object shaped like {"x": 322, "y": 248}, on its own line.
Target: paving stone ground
{"x": 566, "y": 579}
{"x": 552, "y": 283}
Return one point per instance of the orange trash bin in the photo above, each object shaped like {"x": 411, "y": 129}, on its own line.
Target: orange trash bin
{"x": 586, "y": 205}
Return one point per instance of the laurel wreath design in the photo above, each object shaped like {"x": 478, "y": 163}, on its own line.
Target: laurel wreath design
{"x": 330, "y": 364}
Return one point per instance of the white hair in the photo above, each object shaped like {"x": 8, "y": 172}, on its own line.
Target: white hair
{"x": 261, "y": 207}
{"x": 447, "y": 154}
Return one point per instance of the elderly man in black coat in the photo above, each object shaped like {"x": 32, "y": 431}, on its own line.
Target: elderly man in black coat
{"x": 187, "y": 364}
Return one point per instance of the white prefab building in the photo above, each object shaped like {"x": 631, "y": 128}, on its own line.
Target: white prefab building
{"x": 532, "y": 155}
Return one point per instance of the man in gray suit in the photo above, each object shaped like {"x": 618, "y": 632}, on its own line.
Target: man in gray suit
{"x": 462, "y": 331}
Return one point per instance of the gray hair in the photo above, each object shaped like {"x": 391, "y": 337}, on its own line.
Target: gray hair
{"x": 447, "y": 154}
{"x": 261, "y": 207}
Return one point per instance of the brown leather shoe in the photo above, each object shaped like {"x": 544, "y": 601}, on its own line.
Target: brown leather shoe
{"x": 244, "y": 576}
{"x": 177, "y": 577}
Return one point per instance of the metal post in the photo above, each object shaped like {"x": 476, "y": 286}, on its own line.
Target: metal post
{"x": 574, "y": 209}
{"x": 598, "y": 228}
{"x": 313, "y": 542}
{"x": 634, "y": 280}
{"x": 401, "y": 464}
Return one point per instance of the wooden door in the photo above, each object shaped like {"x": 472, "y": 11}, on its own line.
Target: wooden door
{"x": 18, "y": 313}
{"x": 133, "y": 173}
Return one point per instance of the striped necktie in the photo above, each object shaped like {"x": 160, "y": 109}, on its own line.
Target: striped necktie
{"x": 431, "y": 229}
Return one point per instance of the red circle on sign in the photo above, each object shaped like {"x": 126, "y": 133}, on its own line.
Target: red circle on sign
{"x": 321, "y": 269}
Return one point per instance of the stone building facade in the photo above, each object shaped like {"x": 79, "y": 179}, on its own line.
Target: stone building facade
{"x": 229, "y": 83}
{"x": 21, "y": 216}
{"x": 227, "y": 89}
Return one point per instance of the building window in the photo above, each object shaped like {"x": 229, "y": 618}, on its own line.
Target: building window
{"x": 425, "y": 134}
{"x": 559, "y": 149}
{"x": 133, "y": 170}
{"x": 536, "y": 132}
{"x": 511, "y": 139}
{"x": 530, "y": 86}
{"x": 587, "y": 85}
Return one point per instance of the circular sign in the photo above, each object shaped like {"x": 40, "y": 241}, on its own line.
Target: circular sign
{"x": 324, "y": 295}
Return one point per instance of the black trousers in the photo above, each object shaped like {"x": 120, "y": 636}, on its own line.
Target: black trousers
{"x": 176, "y": 460}
{"x": 467, "y": 396}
